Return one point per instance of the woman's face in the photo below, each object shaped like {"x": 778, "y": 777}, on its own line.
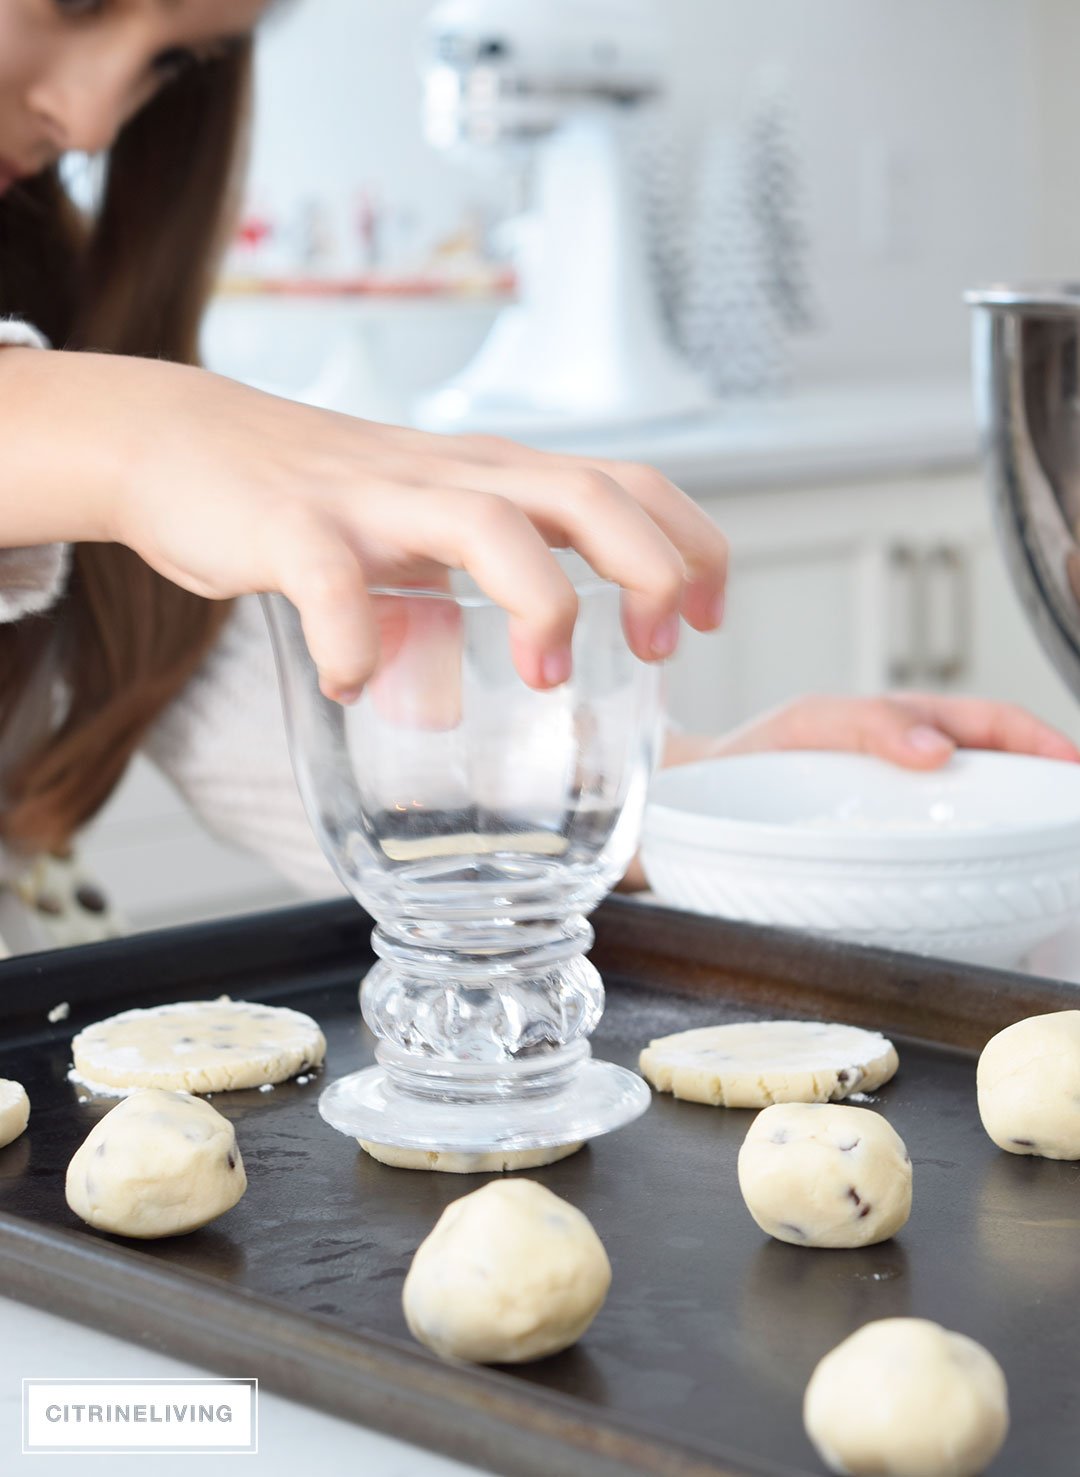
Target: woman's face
{"x": 72, "y": 72}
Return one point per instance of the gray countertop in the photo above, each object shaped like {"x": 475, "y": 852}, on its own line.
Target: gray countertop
{"x": 810, "y": 437}
{"x": 292, "y": 1437}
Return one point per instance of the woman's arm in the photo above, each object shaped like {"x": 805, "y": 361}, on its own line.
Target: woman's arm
{"x": 31, "y": 578}
{"x": 227, "y": 490}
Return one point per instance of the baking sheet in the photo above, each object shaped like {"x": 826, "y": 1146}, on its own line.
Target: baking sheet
{"x": 698, "y": 1361}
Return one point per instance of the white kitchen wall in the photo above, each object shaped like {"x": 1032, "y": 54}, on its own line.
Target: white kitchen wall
{"x": 1057, "y": 151}
{"x": 931, "y": 107}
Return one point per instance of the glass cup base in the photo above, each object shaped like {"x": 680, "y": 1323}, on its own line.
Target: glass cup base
{"x": 598, "y": 1098}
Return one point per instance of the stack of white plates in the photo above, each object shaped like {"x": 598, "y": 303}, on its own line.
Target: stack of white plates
{"x": 978, "y": 861}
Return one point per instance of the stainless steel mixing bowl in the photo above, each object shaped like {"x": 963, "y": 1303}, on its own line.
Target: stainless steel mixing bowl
{"x": 1027, "y": 386}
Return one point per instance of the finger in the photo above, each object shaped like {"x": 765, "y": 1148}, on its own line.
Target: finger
{"x": 494, "y": 542}
{"x": 887, "y": 730}
{"x": 315, "y": 569}
{"x": 700, "y": 544}
{"x": 875, "y": 726}
{"x": 974, "y": 723}
{"x": 418, "y": 682}
{"x": 587, "y": 511}
{"x": 483, "y": 461}
{"x": 702, "y": 547}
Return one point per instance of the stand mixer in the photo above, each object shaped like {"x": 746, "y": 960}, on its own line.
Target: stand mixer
{"x": 584, "y": 348}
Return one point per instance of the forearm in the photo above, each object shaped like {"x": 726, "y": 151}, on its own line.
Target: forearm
{"x": 65, "y": 434}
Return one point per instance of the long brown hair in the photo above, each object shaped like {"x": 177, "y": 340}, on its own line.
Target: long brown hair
{"x": 134, "y": 279}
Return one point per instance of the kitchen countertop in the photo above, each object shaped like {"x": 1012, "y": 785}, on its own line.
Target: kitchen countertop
{"x": 812, "y": 436}
{"x": 291, "y": 1436}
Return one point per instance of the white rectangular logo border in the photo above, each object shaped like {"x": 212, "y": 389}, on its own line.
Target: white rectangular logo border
{"x": 250, "y": 1381}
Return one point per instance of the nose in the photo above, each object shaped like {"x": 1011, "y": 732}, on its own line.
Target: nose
{"x": 81, "y": 108}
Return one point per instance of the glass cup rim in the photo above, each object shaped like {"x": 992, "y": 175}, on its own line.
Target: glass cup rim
{"x": 582, "y": 576}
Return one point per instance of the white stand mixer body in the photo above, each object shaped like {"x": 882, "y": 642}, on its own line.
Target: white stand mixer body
{"x": 585, "y": 346}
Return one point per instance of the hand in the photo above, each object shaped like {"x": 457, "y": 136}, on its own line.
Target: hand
{"x": 915, "y": 730}
{"x": 226, "y": 490}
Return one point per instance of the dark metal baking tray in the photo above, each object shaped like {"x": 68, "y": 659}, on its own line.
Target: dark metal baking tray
{"x": 697, "y": 1363}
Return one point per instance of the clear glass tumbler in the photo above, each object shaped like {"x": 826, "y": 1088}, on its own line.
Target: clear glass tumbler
{"x": 478, "y": 821}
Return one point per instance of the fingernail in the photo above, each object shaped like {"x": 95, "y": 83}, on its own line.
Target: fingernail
{"x": 556, "y": 666}
{"x": 346, "y": 696}
{"x": 716, "y": 609}
{"x": 665, "y": 637}
{"x": 928, "y": 740}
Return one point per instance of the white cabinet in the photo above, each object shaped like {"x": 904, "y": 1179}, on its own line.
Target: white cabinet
{"x": 858, "y": 589}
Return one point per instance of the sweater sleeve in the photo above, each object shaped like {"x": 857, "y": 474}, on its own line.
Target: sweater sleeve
{"x": 222, "y": 744}
{"x": 31, "y": 579}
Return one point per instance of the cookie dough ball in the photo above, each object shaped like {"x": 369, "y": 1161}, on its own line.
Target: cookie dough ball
{"x": 14, "y": 1111}
{"x": 1029, "y": 1086}
{"x": 907, "y": 1398}
{"x": 510, "y": 1273}
{"x": 159, "y": 1164}
{"x": 821, "y": 1174}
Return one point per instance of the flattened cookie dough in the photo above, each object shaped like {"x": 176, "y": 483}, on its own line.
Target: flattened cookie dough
{"x": 757, "y": 1063}
{"x": 452, "y": 1162}
{"x": 14, "y": 1111}
{"x": 196, "y": 1046}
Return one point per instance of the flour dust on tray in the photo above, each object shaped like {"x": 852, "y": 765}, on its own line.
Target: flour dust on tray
{"x": 158, "y": 1164}
{"x": 196, "y": 1046}
{"x": 14, "y": 1111}
{"x": 753, "y": 1064}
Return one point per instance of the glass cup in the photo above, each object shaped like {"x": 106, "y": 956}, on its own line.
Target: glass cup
{"x": 478, "y": 821}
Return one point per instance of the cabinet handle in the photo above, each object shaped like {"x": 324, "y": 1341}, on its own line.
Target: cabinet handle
{"x": 947, "y": 567}
{"x": 905, "y": 622}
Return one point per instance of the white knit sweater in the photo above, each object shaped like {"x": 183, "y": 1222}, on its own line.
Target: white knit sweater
{"x": 222, "y": 740}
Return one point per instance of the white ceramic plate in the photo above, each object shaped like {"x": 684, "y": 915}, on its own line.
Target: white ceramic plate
{"x": 979, "y": 861}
